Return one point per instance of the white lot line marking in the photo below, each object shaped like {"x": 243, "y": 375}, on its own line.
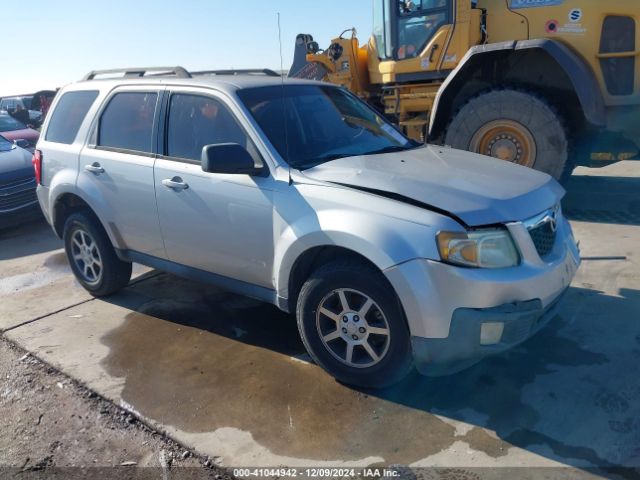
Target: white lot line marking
{"x": 129, "y": 408}
{"x": 302, "y": 358}
{"x": 31, "y": 280}
{"x": 162, "y": 458}
{"x": 290, "y": 417}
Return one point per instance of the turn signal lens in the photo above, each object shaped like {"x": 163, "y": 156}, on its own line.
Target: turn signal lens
{"x": 491, "y": 333}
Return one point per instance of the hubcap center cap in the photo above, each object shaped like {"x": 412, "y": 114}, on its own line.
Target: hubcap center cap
{"x": 86, "y": 255}
{"x": 353, "y": 328}
{"x": 505, "y": 149}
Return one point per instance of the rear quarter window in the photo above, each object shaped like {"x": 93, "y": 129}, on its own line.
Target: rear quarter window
{"x": 69, "y": 115}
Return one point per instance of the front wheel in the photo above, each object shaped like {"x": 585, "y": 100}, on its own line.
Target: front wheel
{"x": 514, "y": 126}
{"x": 353, "y": 326}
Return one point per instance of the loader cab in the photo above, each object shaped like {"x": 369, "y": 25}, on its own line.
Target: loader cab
{"x": 403, "y": 28}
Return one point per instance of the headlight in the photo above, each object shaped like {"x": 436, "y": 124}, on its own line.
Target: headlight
{"x": 490, "y": 248}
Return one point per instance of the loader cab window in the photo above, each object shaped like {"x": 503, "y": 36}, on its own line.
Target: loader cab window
{"x": 418, "y": 22}
{"x": 402, "y": 28}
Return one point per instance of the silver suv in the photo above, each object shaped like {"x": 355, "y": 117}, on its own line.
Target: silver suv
{"x": 391, "y": 254}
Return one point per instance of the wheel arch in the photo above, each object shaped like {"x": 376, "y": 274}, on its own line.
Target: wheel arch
{"x": 558, "y": 72}
{"x": 66, "y": 204}
{"x": 313, "y": 258}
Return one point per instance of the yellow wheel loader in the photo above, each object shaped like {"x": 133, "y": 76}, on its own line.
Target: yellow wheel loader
{"x": 549, "y": 84}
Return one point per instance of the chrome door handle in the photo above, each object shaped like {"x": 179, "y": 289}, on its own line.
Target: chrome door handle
{"x": 94, "y": 168}
{"x": 175, "y": 183}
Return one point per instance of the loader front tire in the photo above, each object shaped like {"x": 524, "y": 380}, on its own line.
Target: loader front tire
{"x": 515, "y": 126}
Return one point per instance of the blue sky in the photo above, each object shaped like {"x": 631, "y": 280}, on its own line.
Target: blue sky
{"x": 48, "y": 44}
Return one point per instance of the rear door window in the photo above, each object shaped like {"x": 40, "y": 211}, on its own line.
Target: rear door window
{"x": 127, "y": 122}
{"x": 69, "y": 115}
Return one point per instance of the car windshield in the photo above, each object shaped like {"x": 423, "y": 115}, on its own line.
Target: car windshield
{"x": 5, "y": 145}
{"x": 312, "y": 124}
{"x": 9, "y": 124}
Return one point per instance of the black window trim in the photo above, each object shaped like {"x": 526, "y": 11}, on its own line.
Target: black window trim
{"x": 162, "y": 138}
{"x": 95, "y": 129}
{"x": 126, "y": 151}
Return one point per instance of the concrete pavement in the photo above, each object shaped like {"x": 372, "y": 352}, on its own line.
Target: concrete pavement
{"x": 229, "y": 377}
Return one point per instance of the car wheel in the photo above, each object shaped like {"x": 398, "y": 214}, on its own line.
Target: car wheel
{"x": 92, "y": 257}
{"x": 352, "y": 325}
{"x": 519, "y": 127}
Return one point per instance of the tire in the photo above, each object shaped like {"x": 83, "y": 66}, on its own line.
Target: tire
{"x": 515, "y": 126}
{"x": 358, "y": 282}
{"x": 86, "y": 243}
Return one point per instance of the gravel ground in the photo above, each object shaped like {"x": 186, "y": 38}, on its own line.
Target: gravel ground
{"x": 51, "y": 426}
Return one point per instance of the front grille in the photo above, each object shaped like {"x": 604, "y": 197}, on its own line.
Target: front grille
{"x": 544, "y": 238}
{"x": 15, "y": 183}
{"x": 18, "y": 195}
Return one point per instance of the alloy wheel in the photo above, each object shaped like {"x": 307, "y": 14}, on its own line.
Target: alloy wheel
{"x": 86, "y": 256}
{"x": 353, "y": 328}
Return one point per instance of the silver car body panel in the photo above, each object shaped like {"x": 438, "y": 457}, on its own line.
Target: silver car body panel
{"x": 253, "y": 230}
{"x": 477, "y": 189}
{"x": 433, "y": 290}
{"x": 384, "y": 231}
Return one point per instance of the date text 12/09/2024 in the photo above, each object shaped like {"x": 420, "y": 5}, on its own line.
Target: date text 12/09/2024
{"x": 316, "y": 472}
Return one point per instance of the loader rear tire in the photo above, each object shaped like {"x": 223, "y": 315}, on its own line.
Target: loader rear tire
{"x": 515, "y": 126}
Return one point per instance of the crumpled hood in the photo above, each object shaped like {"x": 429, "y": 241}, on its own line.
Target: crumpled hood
{"x": 478, "y": 190}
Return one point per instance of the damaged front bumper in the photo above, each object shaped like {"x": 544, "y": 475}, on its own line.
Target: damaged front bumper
{"x": 464, "y": 346}
{"x": 457, "y": 316}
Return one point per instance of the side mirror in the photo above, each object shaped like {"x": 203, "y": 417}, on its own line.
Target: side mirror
{"x": 228, "y": 158}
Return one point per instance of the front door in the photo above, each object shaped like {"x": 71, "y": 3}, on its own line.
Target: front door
{"x": 219, "y": 223}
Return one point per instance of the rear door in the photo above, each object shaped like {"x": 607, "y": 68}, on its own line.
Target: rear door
{"x": 219, "y": 223}
{"x": 116, "y": 168}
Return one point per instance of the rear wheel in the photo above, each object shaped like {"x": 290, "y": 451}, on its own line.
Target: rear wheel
{"x": 92, "y": 257}
{"x": 514, "y": 126}
{"x": 352, "y": 325}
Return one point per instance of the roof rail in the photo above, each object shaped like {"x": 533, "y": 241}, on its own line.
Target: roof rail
{"x": 251, "y": 71}
{"x": 138, "y": 72}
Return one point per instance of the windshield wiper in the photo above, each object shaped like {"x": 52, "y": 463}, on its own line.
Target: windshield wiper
{"x": 390, "y": 149}
{"x": 334, "y": 156}
{"x": 327, "y": 158}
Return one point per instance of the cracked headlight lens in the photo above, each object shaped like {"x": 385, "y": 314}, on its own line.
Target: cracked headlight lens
{"x": 487, "y": 248}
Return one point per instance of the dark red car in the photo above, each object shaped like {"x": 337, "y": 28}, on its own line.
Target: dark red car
{"x": 12, "y": 129}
